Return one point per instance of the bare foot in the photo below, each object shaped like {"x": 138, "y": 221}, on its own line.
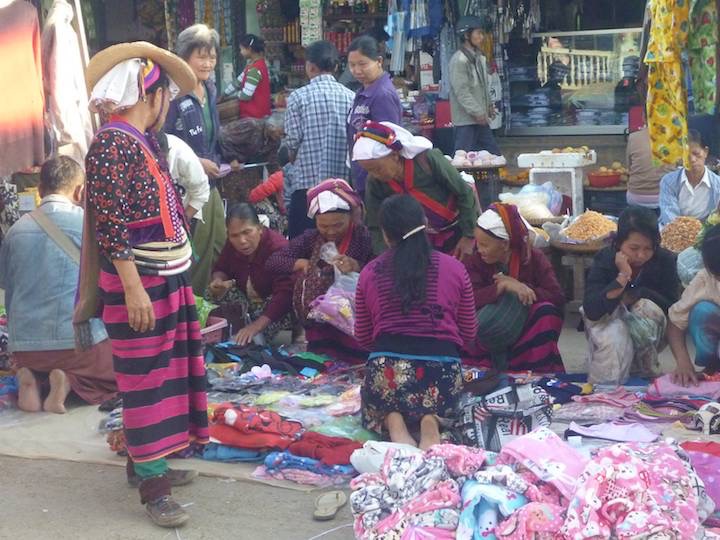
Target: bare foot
{"x": 398, "y": 429}
{"x": 429, "y": 432}
{"x": 59, "y": 390}
{"x": 28, "y": 391}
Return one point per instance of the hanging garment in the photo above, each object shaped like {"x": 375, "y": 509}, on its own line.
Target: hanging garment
{"x": 702, "y": 53}
{"x": 667, "y": 96}
{"x": 21, "y": 115}
{"x": 64, "y": 81}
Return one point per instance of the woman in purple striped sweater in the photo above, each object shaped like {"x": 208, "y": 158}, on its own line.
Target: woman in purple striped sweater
{"x": 414, "y": 323}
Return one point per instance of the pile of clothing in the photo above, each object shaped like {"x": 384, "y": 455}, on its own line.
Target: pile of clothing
{"x": 537, "y": 487}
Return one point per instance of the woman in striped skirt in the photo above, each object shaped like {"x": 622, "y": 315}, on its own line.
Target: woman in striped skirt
{"x": 140, "y": 262}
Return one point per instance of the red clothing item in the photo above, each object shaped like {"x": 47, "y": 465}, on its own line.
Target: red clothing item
{"x": 259, "y": 105}
{"x": 248, "y": 427}
{"x": 711, "y": 448}
{"x": 537, "y": 273}
{"x": 266, "y": 281}
{"x": 272, "y": 186}
{"x": 329, "y": 450}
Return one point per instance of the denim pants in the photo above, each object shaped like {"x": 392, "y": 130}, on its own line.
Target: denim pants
{"x": 475, "y": 138}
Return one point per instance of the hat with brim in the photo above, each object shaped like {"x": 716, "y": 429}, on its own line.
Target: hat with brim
{"x": 175, "y": 67}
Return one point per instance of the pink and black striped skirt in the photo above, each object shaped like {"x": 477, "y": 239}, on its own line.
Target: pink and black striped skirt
{"x": 160, "y": 373}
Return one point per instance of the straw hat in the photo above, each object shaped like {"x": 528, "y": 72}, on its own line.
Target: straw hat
{"x": 176, "y": 68}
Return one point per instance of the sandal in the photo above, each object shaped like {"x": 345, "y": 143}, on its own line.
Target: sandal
{"x": 328, "y": 504}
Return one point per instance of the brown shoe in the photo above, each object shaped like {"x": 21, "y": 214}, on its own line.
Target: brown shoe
{"x": 165, "y": 512}
{"x": 177, "y": 477}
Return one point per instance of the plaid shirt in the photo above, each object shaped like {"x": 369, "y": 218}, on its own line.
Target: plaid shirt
{"x": 315, "y": 122}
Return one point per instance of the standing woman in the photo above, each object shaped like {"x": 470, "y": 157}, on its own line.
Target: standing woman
{"x": 254, "y": 94}
{"x": 193, "y": 117}
{"x": 377, "y": 100}
{"x": 139, "y": 267}
{"x": 414, "y": 322}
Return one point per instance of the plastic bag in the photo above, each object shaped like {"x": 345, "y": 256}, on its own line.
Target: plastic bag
{"x": 532, "y": 205}
{"x": 689, "y": 263}
{"x": 349, "y": 427}
{"x": 644, "y": 332}
{"x": 203, "y": 309}
{"x": 555, "y": 200}
{"x": 337, "y": 306}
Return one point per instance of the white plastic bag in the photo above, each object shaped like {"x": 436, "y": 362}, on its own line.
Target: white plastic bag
{"x": 337, "y": 306}
{"x": 530, "y": 205}
{"x": 370, "y": 458}
{"x": 689, "y": 263}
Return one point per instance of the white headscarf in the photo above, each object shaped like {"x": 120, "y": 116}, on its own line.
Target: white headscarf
{"x": 366, "y": 148}
{"x": 326, "y": 201}
{"x": 119, "y": 88}
{"x": 491, "y": 221}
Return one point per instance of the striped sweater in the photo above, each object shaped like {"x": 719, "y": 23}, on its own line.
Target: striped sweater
{"x": 448, "y": 313}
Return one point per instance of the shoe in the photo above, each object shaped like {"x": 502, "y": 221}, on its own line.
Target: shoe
{"x": 165, "y": 512}
{"x": 177, "y": 477}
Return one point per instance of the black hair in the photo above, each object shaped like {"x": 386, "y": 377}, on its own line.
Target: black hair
{"x": 710, "y": 250}
{"x": 322, "y": 54}
{"x": 378, "y": 33}
{"x": 162, "y": 82}
{"x": 365, "y": 45}
{"x": 637, "y": 219}
{"x": 253, "y": 42}
{"x": 59, "y": 174}
{"x": 399, "y": 215}
{"x": 695, "y": 137}
{"x": 243, "y": 212}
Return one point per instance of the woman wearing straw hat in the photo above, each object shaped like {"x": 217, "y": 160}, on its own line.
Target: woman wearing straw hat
{"x": 138, "y": 265}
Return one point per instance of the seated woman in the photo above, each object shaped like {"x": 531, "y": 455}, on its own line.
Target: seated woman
{"x": 693, "y": 191}
{"x": 242, "y": 283}
{"x": 398, "y": 162}
{"x": 337, "y": 210}
{"x": 697, "y": 313}
{"x": 517, "y": 295}
{"x": 628, "y": 292}
{"x": 414, "y": 311}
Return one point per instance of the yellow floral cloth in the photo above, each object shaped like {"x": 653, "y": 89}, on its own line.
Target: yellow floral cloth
{"x": 667, "y": 95}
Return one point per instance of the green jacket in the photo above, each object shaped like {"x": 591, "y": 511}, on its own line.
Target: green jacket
{"x": 469, "y": 88}
{"x": 440, "y": 183}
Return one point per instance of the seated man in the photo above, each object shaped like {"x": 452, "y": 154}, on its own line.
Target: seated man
{"x": 40, "y": 280}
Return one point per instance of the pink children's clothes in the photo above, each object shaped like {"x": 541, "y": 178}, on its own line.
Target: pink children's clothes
{"x": 460, "y": 460}
{"x": 620, "y": 397}
{"x": 611, "y": 431}
{"x": 548, "y": 457}
{"x": 665, "y": 387}
{"x": 633, "y": 491}
{"x": 534, "y": 521}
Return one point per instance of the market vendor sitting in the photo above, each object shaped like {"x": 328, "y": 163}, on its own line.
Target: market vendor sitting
{"x": 40, "y": 279}
{"x": 629, "y": 289}
{"x": 398, "y": 162}
{"x": 697, "y": 314}
{"x": 254, "y": 299}
{"x": 413, "y": 373}
{"x": 337, "y": 211}
{"x": 517, "y": 295}
{"x": 693, "y": 191}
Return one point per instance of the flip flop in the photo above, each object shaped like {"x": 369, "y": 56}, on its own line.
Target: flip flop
{"x": 328, "y": 504}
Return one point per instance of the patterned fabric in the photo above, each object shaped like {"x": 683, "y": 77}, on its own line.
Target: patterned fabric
{"x": 9, "y": 206}
{"x": 315, "y": 131}
{"x": 160, "y": 374}
{"x": 127, "y": 199}
{"x": 667, "y": 97}
{"x": 632, "y": 491}
{"x": 702, "y": 52}
{"x": 412, "y": 387}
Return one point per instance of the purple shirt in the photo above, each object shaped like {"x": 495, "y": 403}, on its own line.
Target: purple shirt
{"x": 448, "y": 313}
{"x": 378, "y": 102}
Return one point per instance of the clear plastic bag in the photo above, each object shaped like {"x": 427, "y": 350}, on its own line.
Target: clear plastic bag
{"x": 337, "y": 306}
{"x": 532, "y": 205}
{"x": 644, "y": 332}
{"x": 689, "y": 263}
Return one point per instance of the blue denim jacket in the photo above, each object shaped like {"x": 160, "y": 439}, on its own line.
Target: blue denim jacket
{"x": 185, "y": 120}
{"x": 40, "y": 281}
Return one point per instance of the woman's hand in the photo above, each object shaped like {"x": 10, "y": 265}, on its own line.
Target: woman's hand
{"x": 481, "y": 119}
{"x": 219, "y": 288}
{"x": 524, "y": 293}
{"x": 685, "y": 374}
{"x": 246, "y": 335}
{"x": 346, "y": 264}
{"x": 465, "y": 246}
{"x": 235, "y": 165}
{"x": 301, "y": 265}
{"x": 211, "y": 168}
{"x": 141, "y": 316}
{"x": 623, "y": 265}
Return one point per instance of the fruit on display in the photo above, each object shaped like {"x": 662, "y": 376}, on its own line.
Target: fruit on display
{"x": 571, "y": 150}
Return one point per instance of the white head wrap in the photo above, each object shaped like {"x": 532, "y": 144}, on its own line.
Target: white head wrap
{"x": 366, "y": 148}
{"x": 327, "y": 201}
{"x": 119, "y": 88}
{"x": 491, "y": 221}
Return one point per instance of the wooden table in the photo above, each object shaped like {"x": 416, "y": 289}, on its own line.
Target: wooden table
{"x": 579, "y": 258}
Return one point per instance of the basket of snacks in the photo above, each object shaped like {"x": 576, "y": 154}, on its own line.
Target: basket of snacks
{"x": 680, "y": 234}
{"x": 588, "y": 233}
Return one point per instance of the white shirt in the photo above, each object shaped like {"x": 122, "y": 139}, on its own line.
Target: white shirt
{"x": 693, "y": 201}
{"x": 186, "y": 170}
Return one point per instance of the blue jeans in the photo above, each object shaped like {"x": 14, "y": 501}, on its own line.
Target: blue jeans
{"x": 475, "y": 138}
